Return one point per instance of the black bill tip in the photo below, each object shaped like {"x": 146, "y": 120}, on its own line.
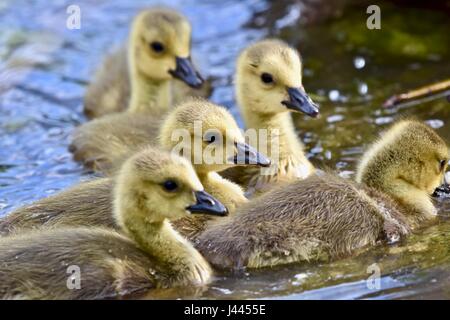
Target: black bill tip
{"x": 207, "y": 204}
{"x": 442, "y": 192}
{"x": 299, "y": 101}
{"x": 186, "y": 72}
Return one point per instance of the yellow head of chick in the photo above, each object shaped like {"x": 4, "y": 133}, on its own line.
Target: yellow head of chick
{"x": 161, "y": 44}
{"x": 408, "y": 162}
{"x": 269, "y": 80}
{"x": 154, "y": 185}
{"x": 209, "y": 136}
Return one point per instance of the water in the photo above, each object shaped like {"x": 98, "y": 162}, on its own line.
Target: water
{"x": 350, "y": 70}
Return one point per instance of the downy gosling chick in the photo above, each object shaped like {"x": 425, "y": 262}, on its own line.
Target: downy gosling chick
{"x": 205, "y": 127}
{"x": 103, "y": 143}
{"x": 152, "y": 188}
{"x": 209, "y": 136}
{"x": 139, "y": 77}
{"x": 326, "y": 217}
{"x": 269, "y": 87}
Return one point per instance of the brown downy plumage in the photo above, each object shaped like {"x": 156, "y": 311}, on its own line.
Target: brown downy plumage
{"x": 151, "y": 188}
{"x": 268, "y": 88}
{"x": 326, "y": 217}
{"x": 136, "y": 76}
{"x": 88, "y": 203}
{"x": 85, "y": 204}
{"x": 101, "y": 144}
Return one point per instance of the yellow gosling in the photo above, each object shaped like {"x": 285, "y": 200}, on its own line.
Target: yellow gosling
{"x": 269, "y": 87}
{"x": 89, "y": 204}
{"x": 152, "y": 188}
{"x": 139, "y": 78}
{"x": 325, "y": 217}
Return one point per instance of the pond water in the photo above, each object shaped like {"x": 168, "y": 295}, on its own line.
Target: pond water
{"x": 350, "y": 70}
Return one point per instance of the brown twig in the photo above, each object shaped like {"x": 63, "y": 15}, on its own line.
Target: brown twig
{"x": 417, "y": 93}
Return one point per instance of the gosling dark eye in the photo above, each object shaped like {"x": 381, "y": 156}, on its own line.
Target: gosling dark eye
{"x": 266, "y": 78}
{"x": 442, "y": 164}
{"x": 170, "y": 185}
{"x": 157, "y": 46}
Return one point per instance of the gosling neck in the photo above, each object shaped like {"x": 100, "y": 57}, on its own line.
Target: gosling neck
{"x": 202, "y": 171}
{"x": 416, "y": 204}
{"x": 160, "y": 241}
{"x": 280, "y": 131}
{"x": 227, "y": 192}
{"x": 163, "y": 243}
{"x": 148, "y": 95}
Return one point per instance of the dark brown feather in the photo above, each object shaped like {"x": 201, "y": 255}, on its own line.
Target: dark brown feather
{"x": 318, "y": 219}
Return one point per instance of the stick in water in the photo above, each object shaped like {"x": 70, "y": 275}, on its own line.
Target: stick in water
{"x": 417, "y": 93}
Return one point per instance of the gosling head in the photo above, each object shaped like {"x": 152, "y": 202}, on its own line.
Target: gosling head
{"x": 161, "y": 45}
{"x": 209, "y": 136}
{"x": 408, "y": 162}
{"x": 154, "y": 185}
{"x": 269, "y": 80}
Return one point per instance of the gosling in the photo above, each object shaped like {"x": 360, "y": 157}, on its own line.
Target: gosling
{"x": 325, "y": 217}
{"x": 268, "y": 88}
{"x": 203, "y": 124}
{"x": 152, "y": 188}
{"x": 139, "y": 78}
{"x": 103, "y": 143}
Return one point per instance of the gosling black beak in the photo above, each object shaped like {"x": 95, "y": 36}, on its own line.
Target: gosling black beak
{"x": 186, "y": 72}
{"x": 299, "y": 101}
{"x": 442, "y": 191}
{"x": 207, "y": 204}
{"x": 247, "y": 155}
